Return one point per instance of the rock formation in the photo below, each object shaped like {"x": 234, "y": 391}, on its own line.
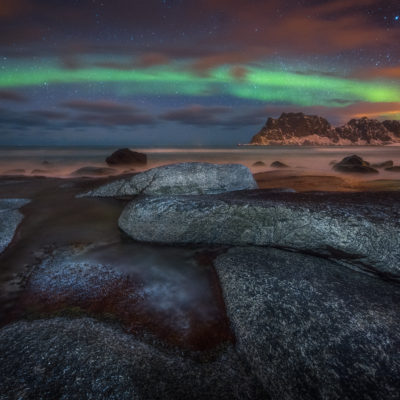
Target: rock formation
{"x": 181, "y": 179}
{"x": 301, "y": 129}
{"x": 354, "y": 164}
{"x": 125, "y": 157}
{"x": 361, "y": 230}
{"x": 87, "y": 359}
{"x": 278, "y": 164}
{"x": 310, "y": 329}
{"x": 10, "y": 218}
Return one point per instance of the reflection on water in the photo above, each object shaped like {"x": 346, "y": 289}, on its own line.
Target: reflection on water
{"x": 171, "y": 292}
{"x": 63, "y": 161}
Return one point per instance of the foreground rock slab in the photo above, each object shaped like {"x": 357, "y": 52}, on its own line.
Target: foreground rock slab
{"x": 360, "y": 229}
{"x": 141, "y": 290}
{"x": 10, "y": 218}
{"x": 86, "y": 359}
{"x": 311, "y": 329}
{"x": 181, "y": 179}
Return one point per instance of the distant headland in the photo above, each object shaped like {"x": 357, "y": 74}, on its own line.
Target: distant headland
{"x": 312, "y": 130}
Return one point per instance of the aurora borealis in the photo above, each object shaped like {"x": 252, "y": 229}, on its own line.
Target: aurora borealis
{"x": 167, "y": 70}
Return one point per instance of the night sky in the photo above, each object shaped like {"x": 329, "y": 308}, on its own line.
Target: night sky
{"x": 199, "y": 72}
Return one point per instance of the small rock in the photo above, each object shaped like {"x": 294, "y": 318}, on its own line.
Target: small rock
{"x": 354, "y": 164}
{"x": 278, "y": 164}
{"x": 384, "y": 164}
{"x": 126, "y": 156}
{"x": 395, "y": 168}
{"x": 259, "y": 164}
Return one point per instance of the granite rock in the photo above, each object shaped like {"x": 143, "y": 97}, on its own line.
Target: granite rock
{"x": 83, "y": 358}
{"x": 181, "y": 179}
{"x": 311, "y": 329}
{"x": 359, "y": 229}
{"x": 10, "y": 218}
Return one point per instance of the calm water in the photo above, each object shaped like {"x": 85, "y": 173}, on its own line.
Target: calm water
{"x": 62, "y": 162}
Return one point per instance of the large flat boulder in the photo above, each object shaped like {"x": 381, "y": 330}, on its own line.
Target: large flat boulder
{"x": 86, "y": 359}
{"x": 360, "y": 229}
{"x": 181, "y": 179}
{"x": 10, "y": 218}
{"x": 311, "y": 329}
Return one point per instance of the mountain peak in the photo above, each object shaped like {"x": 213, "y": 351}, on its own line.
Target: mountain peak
{"x": 301, "y": 129}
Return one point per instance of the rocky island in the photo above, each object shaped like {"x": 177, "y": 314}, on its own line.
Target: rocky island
{"x": 311, "y": 130}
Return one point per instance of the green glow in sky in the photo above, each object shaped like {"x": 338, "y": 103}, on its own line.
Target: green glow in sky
{"x": 258, "y": 84}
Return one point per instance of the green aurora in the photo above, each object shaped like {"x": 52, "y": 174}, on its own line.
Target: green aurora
{"x": 257, "y": 84}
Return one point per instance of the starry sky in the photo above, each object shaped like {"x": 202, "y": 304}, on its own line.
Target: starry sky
{"x": 190, "y": 72}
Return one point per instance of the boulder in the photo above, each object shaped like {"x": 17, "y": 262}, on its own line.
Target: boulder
{"x": 97, "y": 171}
{"x": 126, "y": 156}
{"x": 311, "y": 329}
{"x": 181, "y": 179}
{"x": 384, "y": 164}
{"x": 361, "y": 229}
{"x": 83, "y": 358}
{"x": 354, "y": 164}
{"x": 259, "y": 164}
{"x": 10, "y": 218}
{"x": 278, "y": 164}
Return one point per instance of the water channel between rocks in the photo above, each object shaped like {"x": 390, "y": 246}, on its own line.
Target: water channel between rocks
{"x": 169, "y": 292}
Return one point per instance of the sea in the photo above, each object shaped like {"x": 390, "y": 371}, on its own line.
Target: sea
{"x": 63, "y": 161}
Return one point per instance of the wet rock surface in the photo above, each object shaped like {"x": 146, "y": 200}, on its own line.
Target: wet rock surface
{"x": 85, "y": 359}
{"x": 361, "y": 229}
{"x": 181, "y": 179}
{"x": 126, "y": 157}
{"x": 85, "y": 171}
{"x": 10, "y": 218}
{"x": 172, "y": 294}
{"x": 354, "y": 165}
{"x": 311, "y": 329}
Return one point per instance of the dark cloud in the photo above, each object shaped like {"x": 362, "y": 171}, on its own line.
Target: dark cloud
{"x": 108, "y": 113}
{"x": 197, "y": 115}
{"x": 100, "y": 106}
{"x": 117, "y": 119}
{"x": 210, "y": 32}
{"x": 50, "y": 115}
{"x": 83, "y": 113}
{"x": 8, "y": 95}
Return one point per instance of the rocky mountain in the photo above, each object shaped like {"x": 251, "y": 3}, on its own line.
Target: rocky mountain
{"x": 301, "y": 129}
